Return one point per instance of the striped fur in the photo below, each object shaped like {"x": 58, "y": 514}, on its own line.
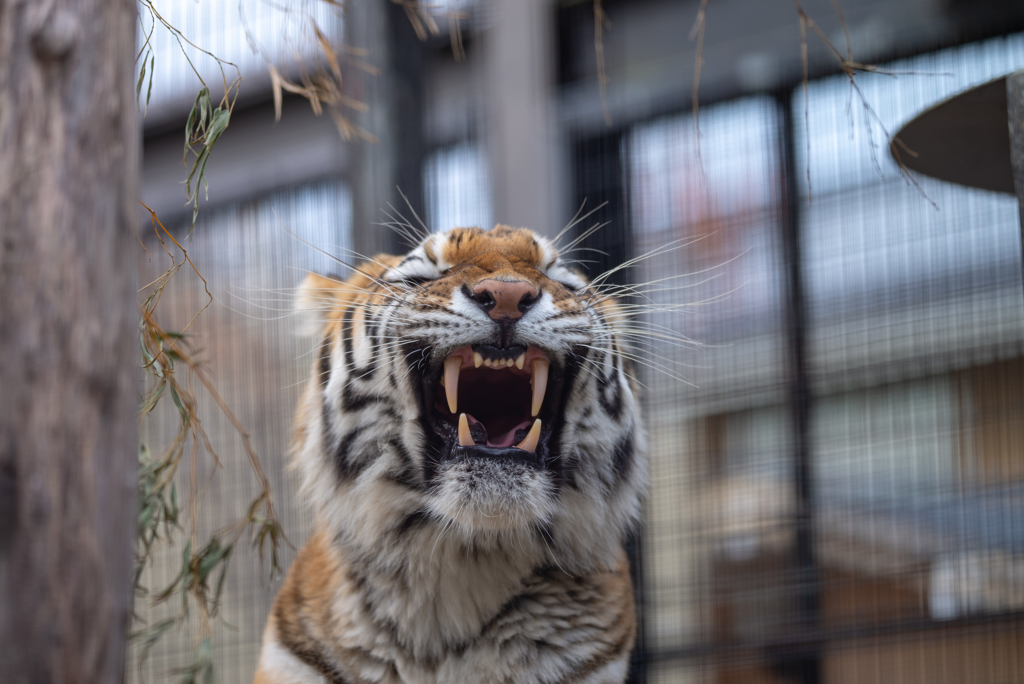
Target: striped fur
{"x": 426, "y": 568}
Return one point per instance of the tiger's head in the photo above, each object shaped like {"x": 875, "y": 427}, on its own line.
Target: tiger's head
{"x": 477, "y": 384}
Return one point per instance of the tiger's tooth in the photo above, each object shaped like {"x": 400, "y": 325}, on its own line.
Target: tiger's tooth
{"x": 529, "y": 443}
{"x": 465, "y": 437}
{"x": 478, "y": 359}
{"x": 539, "y": 380}
{"x": 509, "y": 362}
{"x": 520, "y": 361}
{"x": 452, "y": 366}
{"x": 487, "y": 362}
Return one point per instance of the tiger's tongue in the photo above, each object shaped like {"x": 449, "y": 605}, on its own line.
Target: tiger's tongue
{"x": 504, "y": 440}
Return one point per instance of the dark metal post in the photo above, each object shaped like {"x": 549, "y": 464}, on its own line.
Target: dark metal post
{"x": 598, "y": 175}
{"x": 1015, "y": 120}
{"x": 599, "y": 179}
{"x": 805, "y": 660}
{"x": 395, "y": 116}
{"x": 407, "y": 73}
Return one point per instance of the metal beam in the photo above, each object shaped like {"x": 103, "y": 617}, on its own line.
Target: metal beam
{"x": 804, "y": 663}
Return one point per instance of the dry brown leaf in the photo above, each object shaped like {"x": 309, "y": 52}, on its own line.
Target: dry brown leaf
{"x": 275, "y": 87}
{"x": 325, "y": 46}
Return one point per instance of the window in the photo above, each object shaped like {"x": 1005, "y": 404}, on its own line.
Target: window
{"x": 458, "y": 188}
{"x": 249, "y": 33}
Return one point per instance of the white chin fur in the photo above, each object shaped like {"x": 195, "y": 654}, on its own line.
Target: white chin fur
{"x": 479, "y": 495}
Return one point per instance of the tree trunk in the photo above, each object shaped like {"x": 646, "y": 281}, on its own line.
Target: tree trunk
{"x": 68, "y": 436}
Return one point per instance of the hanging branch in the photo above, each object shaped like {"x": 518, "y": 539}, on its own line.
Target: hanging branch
{"x": 601, "y": 22}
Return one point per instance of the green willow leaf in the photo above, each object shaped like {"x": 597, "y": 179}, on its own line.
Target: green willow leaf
{"x": 149, "y": 91}
{"x": 138, "y": 86}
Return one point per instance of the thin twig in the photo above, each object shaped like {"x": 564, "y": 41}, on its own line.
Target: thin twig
{"x": 600, "y": 23}
{"x": 807, "y": 100}
{"x": 698, "y": 62}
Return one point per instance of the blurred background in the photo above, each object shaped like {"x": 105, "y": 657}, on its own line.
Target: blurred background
{"x": 838, "y": 458}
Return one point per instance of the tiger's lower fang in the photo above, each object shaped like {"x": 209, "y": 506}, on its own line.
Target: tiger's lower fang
{"x": 532, "y": 438}
{"x": 465, "y": 437}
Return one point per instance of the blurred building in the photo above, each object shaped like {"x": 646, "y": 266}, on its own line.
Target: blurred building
{"x": 838, "y": 444}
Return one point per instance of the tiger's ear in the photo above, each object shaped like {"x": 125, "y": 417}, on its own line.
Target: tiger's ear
{"x": 321, "y": 300}
{"x": 318, "y": 301}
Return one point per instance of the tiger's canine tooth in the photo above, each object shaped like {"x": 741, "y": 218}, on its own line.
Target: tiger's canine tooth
{"x": 465, "y": 437}
{"x": 529, "y": 443}
{"x": 478, "y": 359}
{"x": 452, "y": 366}
{"x": 520, "y": 361}
{"x": 539, "y": 380}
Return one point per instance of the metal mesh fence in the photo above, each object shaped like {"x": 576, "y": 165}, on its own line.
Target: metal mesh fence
{"x": 834, "y": 373}
{"x": 253, "y": 255}
{"x": 836, "y": 461}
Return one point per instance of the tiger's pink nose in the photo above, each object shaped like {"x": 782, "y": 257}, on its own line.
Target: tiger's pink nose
{"x": 505, "y": 298}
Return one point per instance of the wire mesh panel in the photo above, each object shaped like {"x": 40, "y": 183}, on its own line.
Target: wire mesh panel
{"x": 457, "y": 187}
{"x": 833, "y": 360}
{"x": 252, "y": 256}
{"x": 249, "y": 35}
{"x": 916, "y": 332}
{"x": 836, "y": 495}
{"x": 708, "y": 221}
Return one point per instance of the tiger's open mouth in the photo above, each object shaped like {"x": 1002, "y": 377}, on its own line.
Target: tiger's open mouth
{"x": 497, "y": 403}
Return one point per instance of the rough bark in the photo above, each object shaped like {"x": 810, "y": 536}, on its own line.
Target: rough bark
{"x": 68, "y": 165}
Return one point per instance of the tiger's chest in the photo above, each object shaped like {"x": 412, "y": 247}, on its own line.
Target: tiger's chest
{"x": 552, "y": 627}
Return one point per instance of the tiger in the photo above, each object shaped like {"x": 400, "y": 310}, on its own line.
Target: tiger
{"x": 471, "y": 443}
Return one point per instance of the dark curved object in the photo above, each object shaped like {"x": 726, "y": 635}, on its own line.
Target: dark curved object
{"x": 965, "y": 140}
